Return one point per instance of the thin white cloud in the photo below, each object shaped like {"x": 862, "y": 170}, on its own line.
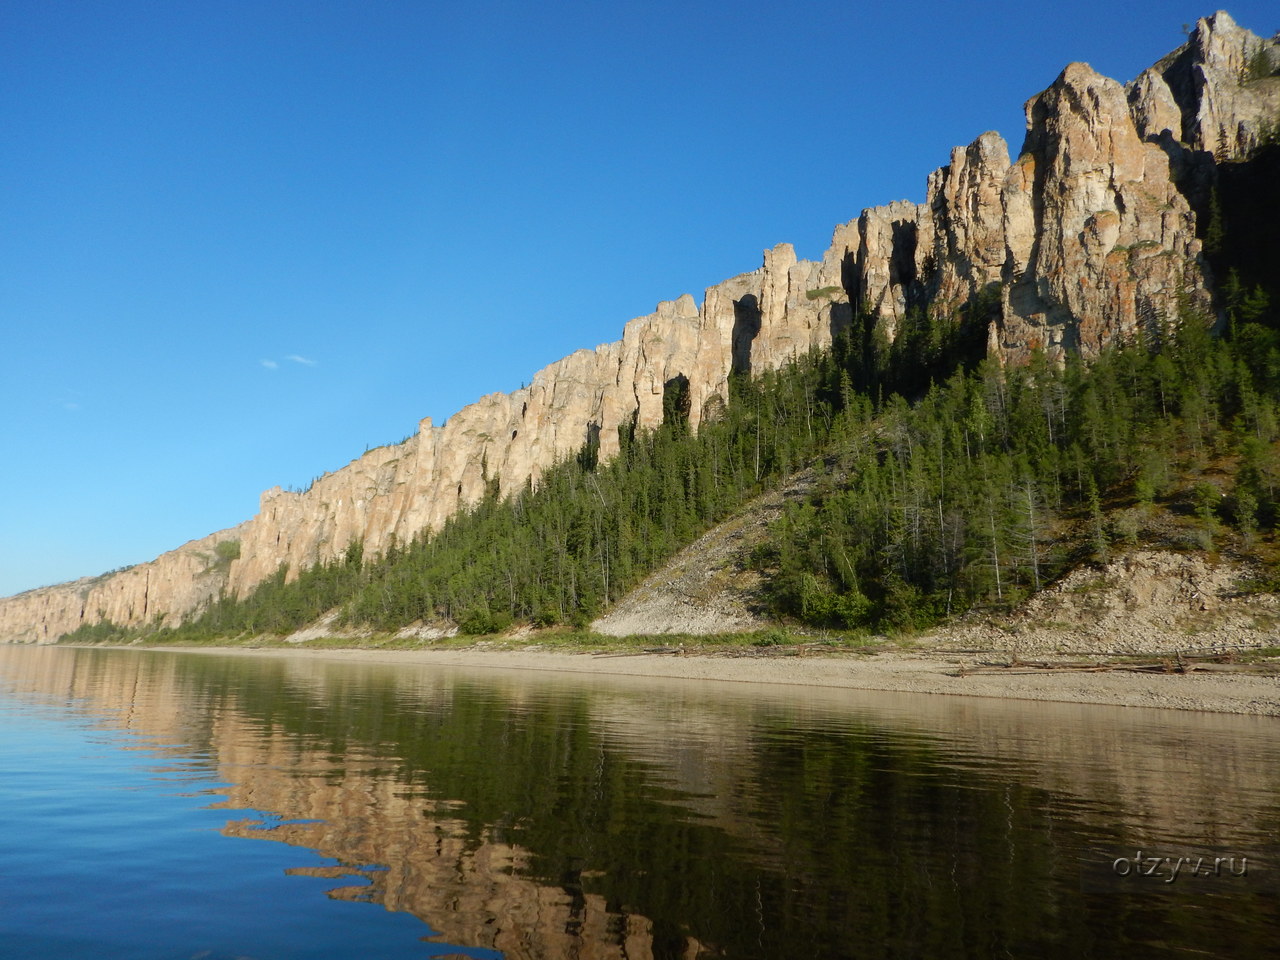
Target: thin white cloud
{"x": 302, "y": 360}
{"x": 269, "y": 364}
{"x": 70, "y": 405}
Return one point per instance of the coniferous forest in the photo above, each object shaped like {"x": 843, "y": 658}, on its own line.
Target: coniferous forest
{"x": 945, "y": 480}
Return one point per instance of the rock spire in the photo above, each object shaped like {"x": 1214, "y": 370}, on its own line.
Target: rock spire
{"x": 1088, "y": 236}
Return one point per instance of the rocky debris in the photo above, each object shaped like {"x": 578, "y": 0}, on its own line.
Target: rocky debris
{"x": 427, "y": 631}
{"x": 708, "y": 587}
{"x": 1088, "y": 236}
{"x": 1146, "y": 602}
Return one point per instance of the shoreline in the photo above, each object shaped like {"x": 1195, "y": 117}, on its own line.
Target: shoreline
{"x": 932, "y": 672}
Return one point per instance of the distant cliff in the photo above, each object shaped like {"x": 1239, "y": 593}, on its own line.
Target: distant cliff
{"x": 1088, "y": 236}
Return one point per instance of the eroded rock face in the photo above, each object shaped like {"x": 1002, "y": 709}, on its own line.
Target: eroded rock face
{"x": 968, "y": 215}
{"x": 1090, "y": 232}
{"x": 1088, "y": 236}
{"x": 1100, "y": 242}
{"x": 158, "y": 592}
{"x": 1210, "y": 93}
{"x": 752, "y": 322}
{"x": 889, "y": 261}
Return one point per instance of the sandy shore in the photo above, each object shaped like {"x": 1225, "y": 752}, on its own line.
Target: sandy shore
{"x": 902, "y": 672}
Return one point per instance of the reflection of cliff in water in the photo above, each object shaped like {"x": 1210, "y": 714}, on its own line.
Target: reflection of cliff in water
{"x": 473, "y": 886}
{"x": 471, "y": 890}
{"x": 551, "y": 817}
{"x": 397, "y": 846}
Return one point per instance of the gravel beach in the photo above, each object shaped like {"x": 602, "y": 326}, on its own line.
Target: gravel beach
{"x": 938, "y": 672}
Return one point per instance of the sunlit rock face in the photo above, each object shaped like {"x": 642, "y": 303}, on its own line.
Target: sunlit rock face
{"x": 1090, "y": 232}
{"x": 1209, "y": 94}
{"x": 158, "y": 592}
{"x": 1100, "y": 242}
{"x": 753, "y": 322}
{"x": 1088, "y": 236}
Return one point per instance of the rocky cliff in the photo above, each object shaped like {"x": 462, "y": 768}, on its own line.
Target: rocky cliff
{"x": 1088, "y": 236}
{"x": 160, "y": 592}
{"x": 1091, "y": 232}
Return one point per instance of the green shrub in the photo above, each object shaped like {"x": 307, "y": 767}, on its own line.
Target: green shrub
{"x": 546, "y": 617}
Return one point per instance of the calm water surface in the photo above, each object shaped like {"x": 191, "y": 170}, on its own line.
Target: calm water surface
{"x": 199, "y": 806}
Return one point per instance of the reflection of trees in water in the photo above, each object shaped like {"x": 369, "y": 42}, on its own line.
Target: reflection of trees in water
{"x": 601, "y": 820}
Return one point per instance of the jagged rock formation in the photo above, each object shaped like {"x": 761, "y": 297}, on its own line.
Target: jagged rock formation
{"x": 1210, "y": 94}
{"x": 1091, "y": 232}
{"x": 159, "y": 592}
{"x": 754, "y": 321}
{"x": 1089, "y": 236}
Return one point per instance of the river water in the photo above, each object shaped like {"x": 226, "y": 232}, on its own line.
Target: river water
{"x": 189, "y": 805}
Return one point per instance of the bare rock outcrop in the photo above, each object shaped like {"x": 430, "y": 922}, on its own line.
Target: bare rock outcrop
{"x": 158, "y": 592}
{"x": 1086, "y": 238}
{"x": 1100, "y": 242}
{"x": 965, "y": 201}
{"x": 1090, "y": 233}
{"x": 752, "y": 322}
{"x": 1214, "y": 94}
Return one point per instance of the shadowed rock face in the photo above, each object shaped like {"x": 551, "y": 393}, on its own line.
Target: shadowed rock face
{"x": 1090, "y": 234}
{"x": 1091, "y": 231}
{"x": 1203, "y": 93}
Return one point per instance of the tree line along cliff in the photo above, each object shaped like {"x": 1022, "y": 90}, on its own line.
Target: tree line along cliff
{"x": 1100, "y": 230}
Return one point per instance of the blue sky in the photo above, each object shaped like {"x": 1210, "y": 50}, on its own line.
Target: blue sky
{"x": 243, "y": 241}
